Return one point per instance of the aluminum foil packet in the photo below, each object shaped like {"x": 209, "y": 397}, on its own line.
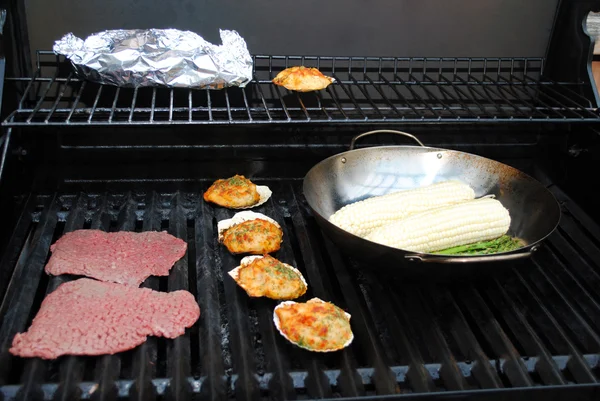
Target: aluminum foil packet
{"x": 158, "y": 57}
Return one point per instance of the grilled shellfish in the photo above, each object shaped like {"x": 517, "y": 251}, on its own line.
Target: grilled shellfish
{"x": 237, "y": 192}
{"x": 302, "y": 79}
{"x": 265, "y": 276}
{"x": 315, "y": 325}
{"x": 250, "y": 232}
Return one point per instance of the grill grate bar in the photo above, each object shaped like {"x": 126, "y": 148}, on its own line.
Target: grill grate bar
{"x": 75, "y": 103}
{"x": 135, "y": 94}
{"x": 483, "y": 372}
{"x": 59, "y": 97}
{"x": 107, "y": 367}
{"x": 432, "y": 96}
{"x": 477, "y": 92}
{"x": 15, "y": 246}
{"x": 551, "y": 88}
{"x": 208, "y": 297}
{"x": 36, "y": 368}
{"x": 506, "y": 95}
{"x": 145, "y": 360}
{"x": 577, "y": 366}
{"x": 488, "y": 88}
{"x": 153, "y": 105}
{"x": 42, "y": 97}
{"x": 348, "y": 93}
{"x": 320, "y": 102}
{"x": 30, "y": 84}
{"x": 96, "y": 99}
{"x": 550, "y": 83}
{"x": 494, "y": 334}
{"x": 547, "y": 108}
{"x": 317, "y": 386}
{"x": 564, "y": 307}
{"x": 209, "y": 103}
{"x": 331, "y": 93}
{"x": 302, "y": 106}
{"x": 171, "y": 94}
{"x": 72, "y": 367}
{"x": 355, "y": 84}
{"x": 178, "y": 352}
{"x": 418, "y": 97}
{"x": 465, "y": 96}
{"x": 263, "y": 100}
{"x": 246, "y": 104}
{"x": 114, "y": 105}
{"x": 275, "y": 346}
{"x": 363, "y": 328}
{"x": 401, "y": 97}
{"x": 455, "y": 99}
{"x": 582, "y": 295}
{"x": 415, "y": 305}
{"x": 242, "y": 351}
{"x": 21, "y": 291}
{"x": 349, "y": 382}
{"x": 228, "y": 105}
{"x": 420, "y": 379}
{"x": 533, "y": 345}
{"x": 191, "y": 106}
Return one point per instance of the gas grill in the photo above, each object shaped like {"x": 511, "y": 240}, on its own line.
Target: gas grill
{"x": 79, "y": 155}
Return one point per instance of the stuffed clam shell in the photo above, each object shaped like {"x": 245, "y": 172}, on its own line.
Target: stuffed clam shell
{"x": 314, "y": 325}
{"x": 265, "y": 276}
{"x": 237, "y": 192}
{"x": 250, "y": 233}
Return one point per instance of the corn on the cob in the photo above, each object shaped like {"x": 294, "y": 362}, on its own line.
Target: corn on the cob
{"x": 360, "y": 218}
{"x": 447, "y": 226}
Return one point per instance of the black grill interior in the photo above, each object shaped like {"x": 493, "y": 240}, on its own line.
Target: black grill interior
{"x": 75, "y": 154}
{"x": 532, "y": 327}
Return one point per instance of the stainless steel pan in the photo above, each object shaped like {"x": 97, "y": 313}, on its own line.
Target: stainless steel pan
{"x": 362, "y": 173}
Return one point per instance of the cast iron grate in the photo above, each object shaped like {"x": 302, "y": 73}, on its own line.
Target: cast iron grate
{"x": 535, "y": 330}
{"x": 368, "y": 90}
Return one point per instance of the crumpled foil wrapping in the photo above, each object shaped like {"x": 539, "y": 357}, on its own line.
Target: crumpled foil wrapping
{"x": 158, "y": 57}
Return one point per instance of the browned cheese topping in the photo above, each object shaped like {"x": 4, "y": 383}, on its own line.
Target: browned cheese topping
{"x": 268, "y": 277}
{"x": 256, "y": 237}
{"x": 233, "y": 192}
{"x": 302, "y": 79}
{"x": 315, "y": 325}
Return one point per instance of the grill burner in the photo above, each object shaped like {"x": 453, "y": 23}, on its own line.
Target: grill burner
{"x": 536, "y": 327}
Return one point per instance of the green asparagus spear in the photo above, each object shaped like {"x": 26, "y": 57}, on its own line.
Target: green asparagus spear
{"x": 504, "y": 243}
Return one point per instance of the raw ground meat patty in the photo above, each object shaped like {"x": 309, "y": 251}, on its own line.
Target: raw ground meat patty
{"x": 89, "y": 317}
{"x": 120, "y": 257}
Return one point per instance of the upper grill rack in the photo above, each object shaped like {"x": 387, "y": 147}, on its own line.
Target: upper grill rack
{"x": 367, "y": 90}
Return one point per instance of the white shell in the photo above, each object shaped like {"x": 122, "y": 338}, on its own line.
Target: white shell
{"x": 278, "y": 325}
{"x": 264, "y": 192}
{"x": 235, "y": 273}
{"x": 239, "y": 218}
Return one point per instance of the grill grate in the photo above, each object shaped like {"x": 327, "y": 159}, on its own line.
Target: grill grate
{"x": 368, "y": 90}
{"x": 536, "y": 328}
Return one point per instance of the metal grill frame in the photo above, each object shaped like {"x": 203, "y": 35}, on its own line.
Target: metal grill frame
{"x": 368, "y": 90}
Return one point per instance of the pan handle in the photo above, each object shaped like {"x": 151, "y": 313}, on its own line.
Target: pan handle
{"x": 472, "y": 259}
{"x": 383, "y": 131}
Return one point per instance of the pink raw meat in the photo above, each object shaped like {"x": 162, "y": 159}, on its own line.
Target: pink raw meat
{"x": 120, "y": 257}
{"x": 89, "y": 317}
